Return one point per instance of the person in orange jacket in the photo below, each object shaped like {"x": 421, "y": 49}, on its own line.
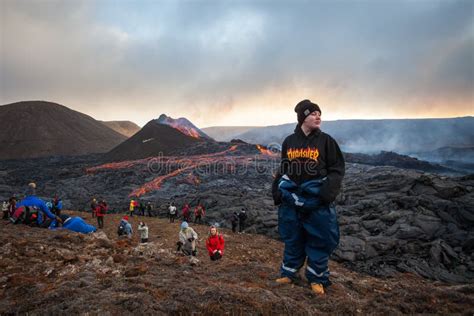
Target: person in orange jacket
{"x": 215, "y": 244}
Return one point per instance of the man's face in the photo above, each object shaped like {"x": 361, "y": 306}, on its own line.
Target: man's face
{"x": 313, "y": 121}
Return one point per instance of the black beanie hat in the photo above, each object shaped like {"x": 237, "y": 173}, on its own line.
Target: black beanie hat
{"x": 305, "y": 108}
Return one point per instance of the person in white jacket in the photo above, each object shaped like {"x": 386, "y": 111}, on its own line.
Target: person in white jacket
{"x": 187, "y": 240}
{"x": 143, "y": 229}
{"x": 172, "y": 212}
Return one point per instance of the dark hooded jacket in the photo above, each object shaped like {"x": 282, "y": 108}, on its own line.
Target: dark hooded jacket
{"x": 311, "y": 157}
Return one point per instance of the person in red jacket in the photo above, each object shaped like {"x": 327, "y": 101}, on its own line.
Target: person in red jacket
{"x": 186, "y": 211}
{"x": 215, "y": 244}
{"x": 101, "y": 210}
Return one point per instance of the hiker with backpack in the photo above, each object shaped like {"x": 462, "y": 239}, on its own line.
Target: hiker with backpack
{"x": 172, "y": 212}
{"x": 187, "y": 240}
{"x": 215, "y": 244}
{"x": 306, "y": 185}
{"x": 143, "y": 229}
{"x": 199, "y": 213}
{"x": 125, "y": 228}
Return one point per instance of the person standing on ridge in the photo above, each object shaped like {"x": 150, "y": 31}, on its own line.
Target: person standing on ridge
{"x": 305, "y": 186}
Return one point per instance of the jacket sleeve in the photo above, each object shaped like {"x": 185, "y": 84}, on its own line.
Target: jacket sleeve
{"x": 279, "y": 173}
{"x": 335, "y": 166}
{"x": 194, "y": 234}
{"x": 221, "y": 244}
{"x": 182, "y": 237}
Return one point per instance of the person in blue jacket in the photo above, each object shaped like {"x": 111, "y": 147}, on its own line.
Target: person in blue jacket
{"x": 305, "y": 187}
{"x": 45, "y": 217}
{"x": 125, "y": 228}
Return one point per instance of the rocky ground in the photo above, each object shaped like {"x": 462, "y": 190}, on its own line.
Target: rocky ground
{"x": 392, "y": 220}
{"x": 59, "y": 272}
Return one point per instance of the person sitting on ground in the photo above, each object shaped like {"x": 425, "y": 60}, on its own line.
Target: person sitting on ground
{"x": 125, "y": 228}
{"x": 32, "y": 201}
{"x": 187, "y": 240}
{"x": 143, "y": 229}
{"x": 215, "y": 244}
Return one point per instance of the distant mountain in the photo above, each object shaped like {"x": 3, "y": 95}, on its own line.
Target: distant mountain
{"x": 372, "y": 136}
{"x": 32, "y": 129}
{"x": 125, "y": 128}
{"x": 152, "y": 140}
{"x": 226, "y": 133}
{"x": 183, "y": 125}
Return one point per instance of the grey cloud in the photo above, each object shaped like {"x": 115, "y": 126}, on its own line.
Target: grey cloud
{"x": 214, "y": 55}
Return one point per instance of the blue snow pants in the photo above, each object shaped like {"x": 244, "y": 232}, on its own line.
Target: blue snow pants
{"x": 309, "y": 230}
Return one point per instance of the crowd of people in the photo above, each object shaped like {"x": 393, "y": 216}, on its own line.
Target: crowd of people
{"x": 34, "y": 211}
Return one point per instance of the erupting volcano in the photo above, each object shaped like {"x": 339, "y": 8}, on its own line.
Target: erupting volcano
{"x": 183, "y": 125}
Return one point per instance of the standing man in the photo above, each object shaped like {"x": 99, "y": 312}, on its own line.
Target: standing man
{"x": 172, "y": 212}
{"x": 93, "y": 207}
{"x": 100, "y": 213}
{"x": 242, "y": 219}
{"x": 305, "y": 187}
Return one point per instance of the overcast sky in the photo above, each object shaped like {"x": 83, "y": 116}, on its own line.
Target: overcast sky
{"x": 240, "y": 62}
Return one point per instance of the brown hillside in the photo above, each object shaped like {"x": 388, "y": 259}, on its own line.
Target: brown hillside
{"x": 125, "y": 128}
{"x": 61, "y": 272}
{"x": 37, "y": 128}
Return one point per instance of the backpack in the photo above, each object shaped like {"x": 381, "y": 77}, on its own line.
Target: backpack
{"x": 121, "y": 229}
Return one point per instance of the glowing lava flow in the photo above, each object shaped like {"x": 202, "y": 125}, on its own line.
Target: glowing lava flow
{"x": 155, "y": 184}
{"x": 265, "y": 151}
{"x": 185, "y": 130}
{"x": 117, "y": 165}
{"x": 219, "y": 162}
